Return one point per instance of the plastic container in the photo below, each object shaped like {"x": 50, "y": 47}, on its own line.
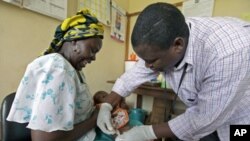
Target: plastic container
{"x": 100, "y": 136}
{"x": 133, "y": 123}
{"x": 137, "y": 114}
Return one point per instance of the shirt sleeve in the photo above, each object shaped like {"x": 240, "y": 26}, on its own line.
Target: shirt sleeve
{"x": 45, "y": 97}
{"x": 224, "y": 85}
{"x": 133, "y": 78}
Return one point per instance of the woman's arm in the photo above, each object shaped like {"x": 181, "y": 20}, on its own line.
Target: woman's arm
{"x": 79, "y": 130}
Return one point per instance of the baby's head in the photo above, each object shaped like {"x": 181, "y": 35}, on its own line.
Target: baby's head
{"x": 100, "y": 97}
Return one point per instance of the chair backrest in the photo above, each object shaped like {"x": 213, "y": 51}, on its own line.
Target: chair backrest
{"x": 12, "y": 131}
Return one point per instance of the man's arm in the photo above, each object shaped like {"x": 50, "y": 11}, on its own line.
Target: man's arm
{"x": 163, "y": 130}
{"x": 114, "y": 99}
{"x": 146, "y": 132}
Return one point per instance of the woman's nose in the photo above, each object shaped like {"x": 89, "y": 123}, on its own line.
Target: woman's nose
{"x": 93, "y": 56}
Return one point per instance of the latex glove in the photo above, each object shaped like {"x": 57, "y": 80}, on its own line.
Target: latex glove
{"x": 104, "y": 119}
{"x": 138, "y": 133}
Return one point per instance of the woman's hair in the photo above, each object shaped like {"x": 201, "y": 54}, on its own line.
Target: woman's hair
{"x": 83, "y": 25}
{"x": 158, "y": 25}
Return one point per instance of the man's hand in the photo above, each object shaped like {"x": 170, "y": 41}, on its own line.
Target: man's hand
{"x": 104, "y": 119}
{"x": 138, "y": 133}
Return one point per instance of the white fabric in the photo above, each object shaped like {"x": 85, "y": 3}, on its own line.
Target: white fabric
{"x": 216, "y": 86}
{"x": 138, "y": 133}
{"x": 104, "y": 118}
{"x": 51, "y": 97}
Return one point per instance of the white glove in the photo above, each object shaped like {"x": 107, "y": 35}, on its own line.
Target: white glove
{"x": 138, "y": 133}
{"x": 104, "y": 118}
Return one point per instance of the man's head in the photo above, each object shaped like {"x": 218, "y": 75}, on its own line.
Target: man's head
{"x": 160, "y": 36}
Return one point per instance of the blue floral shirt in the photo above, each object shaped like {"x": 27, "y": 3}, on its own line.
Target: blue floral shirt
{"x": 51, "y": 96}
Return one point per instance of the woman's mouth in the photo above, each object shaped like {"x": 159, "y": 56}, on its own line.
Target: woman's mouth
{"x": 84, "y": 63}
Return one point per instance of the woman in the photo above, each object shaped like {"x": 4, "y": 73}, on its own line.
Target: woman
{"x": 53, "y": 97}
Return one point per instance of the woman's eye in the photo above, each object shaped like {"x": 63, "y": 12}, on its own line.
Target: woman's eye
{"x": 94, "y": 51}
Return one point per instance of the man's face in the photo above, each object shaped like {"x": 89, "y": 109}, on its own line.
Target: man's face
{"x": 158, "y": 59}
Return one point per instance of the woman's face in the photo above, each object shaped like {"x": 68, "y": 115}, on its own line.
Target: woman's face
{"x": 84, "y": 52}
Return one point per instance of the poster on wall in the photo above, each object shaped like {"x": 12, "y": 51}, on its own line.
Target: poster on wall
{"x": 118, "y": 23}
{"x": 53, "y": 8}
{"x": 200, "y": 8}
{"x": 15, "y": 2}
{"x": 101, "y": 8}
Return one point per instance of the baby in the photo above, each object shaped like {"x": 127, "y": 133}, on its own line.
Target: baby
{"x": 119, "y": 114}
{"x": 100, "y": 97}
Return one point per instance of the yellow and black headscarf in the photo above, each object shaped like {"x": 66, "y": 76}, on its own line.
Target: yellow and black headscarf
{"x": 81, "y": 26}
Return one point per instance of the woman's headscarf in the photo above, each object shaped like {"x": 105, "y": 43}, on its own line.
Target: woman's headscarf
{"x": 81, "y": 26}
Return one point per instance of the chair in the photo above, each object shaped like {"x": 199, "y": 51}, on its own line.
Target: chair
{"x": 12, "y": 131}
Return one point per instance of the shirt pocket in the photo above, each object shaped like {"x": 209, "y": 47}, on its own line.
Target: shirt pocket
{"x": 189, "y": 97}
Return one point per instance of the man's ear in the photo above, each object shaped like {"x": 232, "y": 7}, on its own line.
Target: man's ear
{"x": 179, "y": 45}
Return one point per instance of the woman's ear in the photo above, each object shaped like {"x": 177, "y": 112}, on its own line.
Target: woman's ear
{"x": 73, "y": 43}
{"x": 75, "y": 47}
{"x": 179, "y": 45}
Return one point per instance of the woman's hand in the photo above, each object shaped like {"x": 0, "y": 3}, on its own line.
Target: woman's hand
{"x": 94, "y": 115}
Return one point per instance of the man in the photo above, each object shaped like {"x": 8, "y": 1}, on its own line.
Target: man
{"x": 205, "y": 60}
